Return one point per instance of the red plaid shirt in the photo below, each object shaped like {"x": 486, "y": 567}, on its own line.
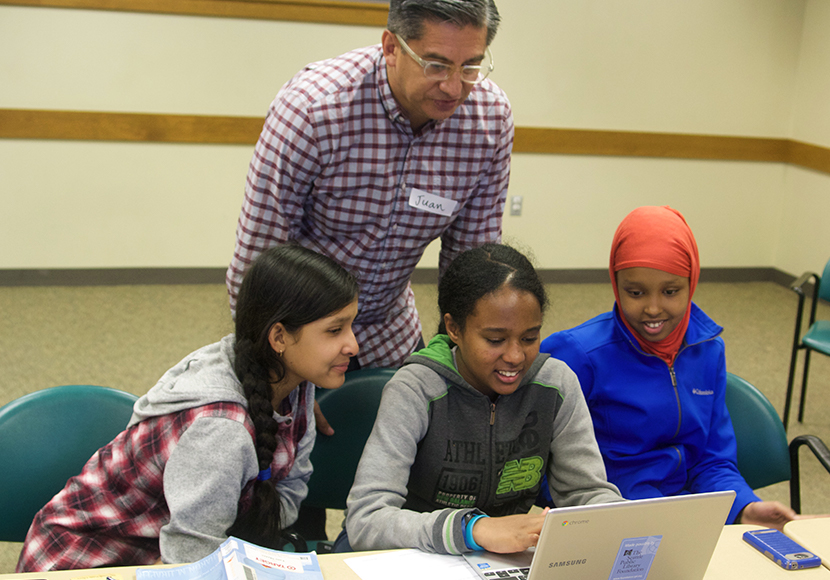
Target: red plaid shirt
{"x": 111, "y": 514}
{"x": 334, "y": 169}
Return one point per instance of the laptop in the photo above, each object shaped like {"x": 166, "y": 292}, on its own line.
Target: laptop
{"x": 671, "y": 538}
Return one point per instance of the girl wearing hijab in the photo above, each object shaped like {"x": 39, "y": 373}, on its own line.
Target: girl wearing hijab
{"x": 653, "y": 371}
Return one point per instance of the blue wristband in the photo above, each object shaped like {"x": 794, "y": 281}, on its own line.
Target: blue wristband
{"x": 468, "y": 533}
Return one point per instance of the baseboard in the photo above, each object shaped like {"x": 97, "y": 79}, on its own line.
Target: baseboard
{"x": 746, "y": 275}
{"x": 548, "y": 276}
{"x": 600, "y": 275}
{"x": 111, "y": 276}
{"x": 142, "y": 276}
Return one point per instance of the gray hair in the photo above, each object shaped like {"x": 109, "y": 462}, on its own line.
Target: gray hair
{"x": 406, "y": 17}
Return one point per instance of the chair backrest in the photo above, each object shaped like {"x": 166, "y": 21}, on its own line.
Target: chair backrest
{"x": 351, "y": 410}
{"x": 763, "y": 454}
{"x": 824, "y": 285}
{"x": 47, "y": 437}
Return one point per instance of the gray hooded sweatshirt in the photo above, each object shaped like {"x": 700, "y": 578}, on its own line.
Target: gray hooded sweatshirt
{"x": 441, "y": 450}
{"x": 215, "y": 458}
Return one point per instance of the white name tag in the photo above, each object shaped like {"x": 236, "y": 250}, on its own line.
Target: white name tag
{"x": 432, "y": 203}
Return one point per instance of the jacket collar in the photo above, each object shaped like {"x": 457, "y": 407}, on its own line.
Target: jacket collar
{"x": 701, "y": 328}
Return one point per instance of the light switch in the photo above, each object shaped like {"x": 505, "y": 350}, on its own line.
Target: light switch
{"x": 516, "y": 205}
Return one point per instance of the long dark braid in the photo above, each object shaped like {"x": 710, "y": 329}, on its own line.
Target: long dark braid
{"x": 293, "y": 286}
{"x": 260, "y": 523}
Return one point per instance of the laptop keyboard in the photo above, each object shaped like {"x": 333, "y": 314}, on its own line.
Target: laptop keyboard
{"x": 517, "y": 573}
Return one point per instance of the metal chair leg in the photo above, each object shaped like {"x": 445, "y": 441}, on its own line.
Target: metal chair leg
{"x": 804, "y": 386}
{"x": 821, "y": 453}
{"x": 789, "y": 396}
{"x": 794, "y": 356}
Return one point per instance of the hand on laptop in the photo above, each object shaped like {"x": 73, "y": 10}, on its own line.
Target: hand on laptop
{"x": 509, "y": 534}
{"x": 770, "y": 514}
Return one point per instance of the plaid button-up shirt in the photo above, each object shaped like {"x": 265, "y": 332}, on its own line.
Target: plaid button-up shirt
{"x": 337, "y": 169}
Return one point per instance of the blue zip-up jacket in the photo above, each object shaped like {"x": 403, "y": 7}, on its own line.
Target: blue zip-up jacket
{"x": 661, "y": 430}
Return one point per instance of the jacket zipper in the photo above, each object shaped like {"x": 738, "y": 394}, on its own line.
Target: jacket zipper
{"x": 676, "y": 398}
{"x": 486, "y": 482}
{"x": 673, "y": 375}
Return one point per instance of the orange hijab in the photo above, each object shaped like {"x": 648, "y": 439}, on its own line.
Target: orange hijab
{"x": 659, "y": 238}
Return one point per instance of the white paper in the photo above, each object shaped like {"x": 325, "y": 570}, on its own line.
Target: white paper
{"x": 411, "y": 565}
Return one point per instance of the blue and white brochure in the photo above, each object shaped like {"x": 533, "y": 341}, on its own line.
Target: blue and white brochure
{"x": 236, "y": 559}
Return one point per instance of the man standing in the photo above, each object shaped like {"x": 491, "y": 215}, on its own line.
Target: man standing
{"x": 369, "y": 156}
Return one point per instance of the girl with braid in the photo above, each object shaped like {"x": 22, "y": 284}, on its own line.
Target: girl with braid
{"x": 220, "y": 445}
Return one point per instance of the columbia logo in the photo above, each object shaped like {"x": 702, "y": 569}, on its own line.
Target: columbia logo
{"x": 702, "y": 392}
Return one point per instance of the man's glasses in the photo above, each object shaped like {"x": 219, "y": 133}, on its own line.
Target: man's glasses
{"x": 439, "y": 71}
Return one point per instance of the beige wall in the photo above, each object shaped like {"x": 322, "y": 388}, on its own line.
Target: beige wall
{"x": 683, "y": 66}
{"x": 117, "y": 61}
{"x": 805, "y": 200}
{"x": 93, "y": 204}
{"x": 728, "y": 67}
{"x": 707, "y": 66}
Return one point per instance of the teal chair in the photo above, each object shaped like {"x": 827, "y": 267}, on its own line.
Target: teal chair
{"x": 47, "y": 437}
{"x": 764, "y": 457}
{"x": 763, "y": 454}
{"x": 351, "y": 410}
{"x": 817, "y": 337}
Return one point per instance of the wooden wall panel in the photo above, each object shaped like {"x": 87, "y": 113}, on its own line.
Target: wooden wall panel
{"x": 210, "y": 129}
{"x": 360, "y": 13}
